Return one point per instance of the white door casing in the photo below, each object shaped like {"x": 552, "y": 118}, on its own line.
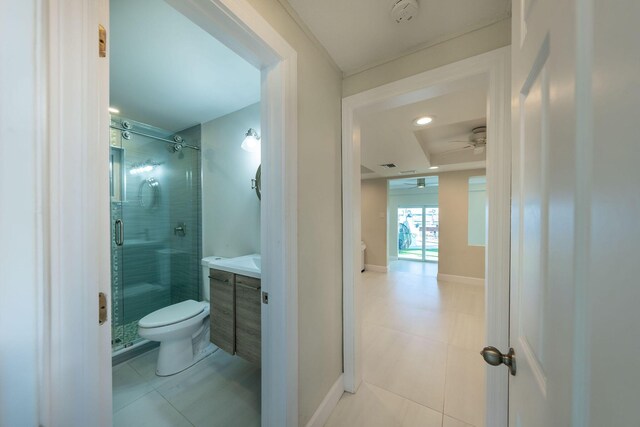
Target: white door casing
{"x": 74, "y": 352}
{"x": 493, "y": 66}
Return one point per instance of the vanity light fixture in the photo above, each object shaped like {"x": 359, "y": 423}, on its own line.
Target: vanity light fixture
{"x": 251, "y": 141}
{"x": 421, "y": 121}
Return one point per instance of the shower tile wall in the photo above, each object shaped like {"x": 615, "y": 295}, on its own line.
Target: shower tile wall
{"x": 155, "y": 267}
{"x": 186, "y": 209}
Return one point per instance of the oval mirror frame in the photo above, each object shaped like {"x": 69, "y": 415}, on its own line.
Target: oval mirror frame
{"x": 258, "y": 183}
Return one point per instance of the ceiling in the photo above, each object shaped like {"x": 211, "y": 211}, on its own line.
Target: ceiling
{"x": 390, "y": 136}
{"x": 168, "y": 72}
{"x": 361, "y": 33}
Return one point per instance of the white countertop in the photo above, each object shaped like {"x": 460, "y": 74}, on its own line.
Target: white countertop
{"x": 248, "y": 265}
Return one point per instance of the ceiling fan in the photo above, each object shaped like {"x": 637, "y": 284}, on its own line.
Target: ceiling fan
{"x": 477, "y": 142}
{"x": 419, "y": 183}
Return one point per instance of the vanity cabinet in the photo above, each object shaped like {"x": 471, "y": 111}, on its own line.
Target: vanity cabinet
{"x": 236, "y": 314}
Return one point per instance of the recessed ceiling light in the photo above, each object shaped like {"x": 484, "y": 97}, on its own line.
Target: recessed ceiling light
{"x": 421, "y": 121}
{"x": 113, "y": 110}
{"x": 433, "y": 167}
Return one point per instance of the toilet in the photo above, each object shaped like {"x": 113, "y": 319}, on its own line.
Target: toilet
{"x": 183, "y": 332}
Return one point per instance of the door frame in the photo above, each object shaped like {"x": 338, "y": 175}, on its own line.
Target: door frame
{"x": 493, "y": 66}
{"x": 73, "y": 100}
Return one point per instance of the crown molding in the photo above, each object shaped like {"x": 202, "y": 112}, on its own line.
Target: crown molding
{"x": 307, "y": 31}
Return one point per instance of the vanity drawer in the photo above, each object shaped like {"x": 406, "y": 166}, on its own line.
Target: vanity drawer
{"x": 247, "y": 281}
{"x": 222, "y": 303}
{"x": 220, "y": 275}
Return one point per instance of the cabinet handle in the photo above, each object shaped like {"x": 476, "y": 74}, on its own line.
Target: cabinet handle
{"x": 248, "y": 286}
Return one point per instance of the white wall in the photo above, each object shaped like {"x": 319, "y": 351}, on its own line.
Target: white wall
{"x": 230, "y": 208}
{"x": 455, "y": 256}
{"x": 477, "y": 233}
{"x": 21, "y": 213}
{"x": 374, "y": 220}
{"x": 319, "y": 212}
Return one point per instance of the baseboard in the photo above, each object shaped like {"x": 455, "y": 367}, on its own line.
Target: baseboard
{"x": 376, "y": 268}
{"x": 329, "y": 402}
{"x": 461, "y": 279}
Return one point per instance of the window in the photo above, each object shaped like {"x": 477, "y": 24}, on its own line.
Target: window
{"x": 477, "y": 229}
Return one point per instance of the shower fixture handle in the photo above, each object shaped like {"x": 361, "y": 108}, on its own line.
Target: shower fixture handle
{"x": 180, "y": 229}
{"x": 118, "y": 228}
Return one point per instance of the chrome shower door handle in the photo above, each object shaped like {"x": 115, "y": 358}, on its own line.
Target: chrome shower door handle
{"x": 118, "y": 228}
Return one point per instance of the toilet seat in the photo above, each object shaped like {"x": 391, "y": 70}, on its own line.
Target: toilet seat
{"x": 175, "y": 313}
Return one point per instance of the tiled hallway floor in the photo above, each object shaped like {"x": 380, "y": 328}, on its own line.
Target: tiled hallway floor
{"x": 421, "y": 343}
{"x": 220, "y": 390}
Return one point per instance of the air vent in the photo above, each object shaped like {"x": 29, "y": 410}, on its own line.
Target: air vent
{"x": 388, "y": 165}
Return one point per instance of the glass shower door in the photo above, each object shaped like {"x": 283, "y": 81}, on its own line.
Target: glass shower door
{"x": 155, "y": 221}
{"x": 116, "y": 190}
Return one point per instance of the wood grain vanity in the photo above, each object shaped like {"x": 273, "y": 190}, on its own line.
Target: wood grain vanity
{"x": 235, "y": 314}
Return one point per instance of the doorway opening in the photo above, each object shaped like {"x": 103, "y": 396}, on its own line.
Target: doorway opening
{"x": 176, "y": 154}
{"x": 180, "y": 142}
{"x": 80, "y": 136}
{"x": 418, "y": 233}
{"x": 461, "y": 261}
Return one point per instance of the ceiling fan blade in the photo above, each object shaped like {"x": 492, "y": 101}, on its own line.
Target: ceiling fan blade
{"x": 456, "y": 150}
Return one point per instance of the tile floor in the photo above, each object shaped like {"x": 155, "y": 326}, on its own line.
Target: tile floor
{"x": 421, "y": 342}
{"x": 220, "y": 390}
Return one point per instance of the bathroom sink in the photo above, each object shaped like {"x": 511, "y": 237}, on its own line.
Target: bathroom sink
{"x": 248, "y": 265}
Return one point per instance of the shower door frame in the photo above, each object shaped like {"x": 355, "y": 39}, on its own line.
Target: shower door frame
{"x": 72, "y": 108}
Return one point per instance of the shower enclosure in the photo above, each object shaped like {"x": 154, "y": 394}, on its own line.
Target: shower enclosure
{"x": 155, "y": 223}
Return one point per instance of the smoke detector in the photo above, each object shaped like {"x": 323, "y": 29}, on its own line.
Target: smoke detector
{"x": 404, "y": 10}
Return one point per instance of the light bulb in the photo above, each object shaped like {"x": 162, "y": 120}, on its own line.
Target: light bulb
{"x": 251, "y": 141}
{"x": 423, "y": 121}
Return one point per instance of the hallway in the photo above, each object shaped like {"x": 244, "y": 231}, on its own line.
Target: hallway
{"x": 421, "y": 341}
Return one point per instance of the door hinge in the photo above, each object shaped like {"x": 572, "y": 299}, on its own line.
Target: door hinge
{"x": 265, "y": 297}
{"x": 102, "y": 42}
{"x": 102, "y": 308}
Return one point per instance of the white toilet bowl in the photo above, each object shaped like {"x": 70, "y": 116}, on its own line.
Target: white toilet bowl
{"x": 183, "y": 332}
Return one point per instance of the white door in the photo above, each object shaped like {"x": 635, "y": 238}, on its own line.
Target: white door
{"x": 543, "y": 162}
{"x": 575, "y": 210}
